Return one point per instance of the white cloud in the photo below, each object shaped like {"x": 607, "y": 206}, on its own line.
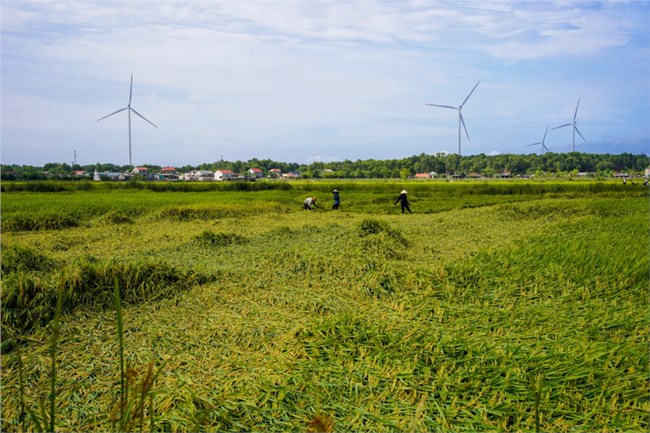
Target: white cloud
{"x": 301, "y": 78}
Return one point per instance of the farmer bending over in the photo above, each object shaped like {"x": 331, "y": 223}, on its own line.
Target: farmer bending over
{"x": 310, "y": 203}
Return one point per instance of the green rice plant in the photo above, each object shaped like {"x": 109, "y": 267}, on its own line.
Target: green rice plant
{"x": 53, "y": 350}
{"x": 378, "y": 237}
{"x": 36, "y": 186}
{"x": 120, "y": 339}
{"x": 118, "y": 217}
{"x": 557, "y": 210}
{"x": 190, "y": 213}
{"x": 539, "y": 385}
{"x": 371, "y": 226}
{"x": 16, "y": 258}
{"x": 133, "y": 400}
{"x": 43, "y": 221}
{"x": 131, "y": 405}
{"x": 29, "y": 301}
{"x": 130, "y": 412}
{"x": 22, "y": 408}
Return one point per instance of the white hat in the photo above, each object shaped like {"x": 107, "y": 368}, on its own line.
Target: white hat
{"x": 335, "y": 191}
{"x": 403, "y": 192}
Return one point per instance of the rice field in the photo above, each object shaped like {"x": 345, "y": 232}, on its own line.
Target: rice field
{"x": 496, "y": 306}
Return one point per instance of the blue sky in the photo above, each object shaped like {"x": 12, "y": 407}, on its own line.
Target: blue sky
{"x": 319, "y": 80}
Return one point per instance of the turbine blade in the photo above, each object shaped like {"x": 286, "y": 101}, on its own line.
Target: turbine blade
{"x": 544, "y": 147}
{"x": 583, "y": 139}
{"x": 534, "y": 144}
{"x": 131, "y": 89}
{"x": 544, "y": 136}
{"x": 444, "y": 106}
{"x": 142, "y": 117}
{"x": 114, "y": 112}
{"x": 561, "y": 126}
{"x": 576, "y": 113}
{"x": 463, "y": 122}
{"x": 470, "y": 94}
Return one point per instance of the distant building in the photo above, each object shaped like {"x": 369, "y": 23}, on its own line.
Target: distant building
{"x": 110, "y": 175}
{"x": 168, "y": 173}
{"x": 190, "y": 175}
{"x": 422, "y": 176}
{"x": 275, "y": 172}
{"x": 204, "y": 175}
{"x": 222, "y": 175}
{"x": 143, "y": 172}
{"x": 291, "y": 175}
{"x": 255, "y": 172}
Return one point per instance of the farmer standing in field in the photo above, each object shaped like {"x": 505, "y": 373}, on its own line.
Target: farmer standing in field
{"x": 310, "y": 203}
{"x": 403, "y": 201}
{"x": 337, "y": 200}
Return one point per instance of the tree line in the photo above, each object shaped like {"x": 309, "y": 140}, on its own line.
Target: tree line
{"x": 548, "y": 164}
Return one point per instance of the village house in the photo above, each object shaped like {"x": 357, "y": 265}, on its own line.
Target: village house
{"x": 168, "y": 173}
{"x": 140, "y": 170}
{"x": 255, "y": 172}
{"x": 110, "y": 175}
{"x": 143, "y": 172}
{"x": 291, "y": 175}
{"x": 222, "y": 175}
{"x": 187, "y": 176}
{"x": 422, "y": 176}
{"x": 203, "y": 175}
{"x": 275, "y": 172}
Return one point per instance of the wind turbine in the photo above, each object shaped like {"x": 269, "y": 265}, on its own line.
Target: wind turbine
{"x": 575, "y": 128}
{"x": 542, "y": 142}
{"x": 129, "y": 108}
{"x": 460, "y": 114}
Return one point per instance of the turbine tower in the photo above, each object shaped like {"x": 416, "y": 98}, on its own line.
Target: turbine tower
{"x": 542, "y": 142}
{"x": 575, "y": 128}
{"x": 460, "y": 114}
{"x": 129, "y": 108}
